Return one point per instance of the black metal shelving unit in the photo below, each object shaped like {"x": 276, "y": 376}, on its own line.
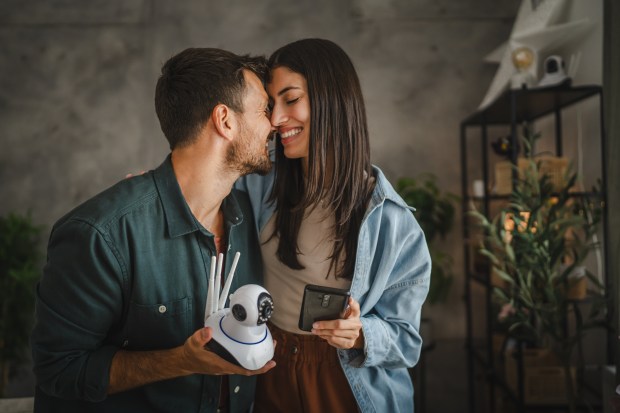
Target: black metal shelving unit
{"x": 512, "y": 109}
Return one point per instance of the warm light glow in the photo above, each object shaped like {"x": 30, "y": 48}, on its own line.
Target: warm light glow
{"x": 522, "y": 58}
{"x": 509, "y": 225}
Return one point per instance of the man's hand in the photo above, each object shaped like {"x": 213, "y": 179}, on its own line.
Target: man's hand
{"x": 130, "y": 175}
{"x": 344, "y": 333}
{"x": 198, "y": 359}
{"x": 132, "y": 369}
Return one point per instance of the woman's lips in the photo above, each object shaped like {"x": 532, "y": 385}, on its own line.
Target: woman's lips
{"x": 289, "y": 135}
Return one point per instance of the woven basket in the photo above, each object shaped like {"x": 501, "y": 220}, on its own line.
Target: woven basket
{"x": 552, "y": 166}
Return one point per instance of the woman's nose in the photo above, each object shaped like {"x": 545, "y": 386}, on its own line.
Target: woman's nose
{"x": 278, "y": 117}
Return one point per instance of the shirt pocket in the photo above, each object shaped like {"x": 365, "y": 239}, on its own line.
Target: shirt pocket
{"x": 156, "y": 326}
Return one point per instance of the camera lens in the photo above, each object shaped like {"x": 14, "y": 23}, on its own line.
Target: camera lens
{"x": 239, "y": 312}
{"x": 265, "y": 308}
{"x": 266, "y": 312}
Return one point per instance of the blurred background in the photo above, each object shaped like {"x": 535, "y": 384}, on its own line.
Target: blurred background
{"x": 77, "y": 82}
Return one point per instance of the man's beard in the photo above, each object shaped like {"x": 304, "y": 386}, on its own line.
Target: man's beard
{"x": 240, "y": 157}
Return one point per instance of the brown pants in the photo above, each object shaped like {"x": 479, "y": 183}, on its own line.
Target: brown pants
{"x": 307, "y": 378}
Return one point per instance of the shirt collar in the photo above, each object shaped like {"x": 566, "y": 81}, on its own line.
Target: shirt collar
{"x": 179, "y": 217}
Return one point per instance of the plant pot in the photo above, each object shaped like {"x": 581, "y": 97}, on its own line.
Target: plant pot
{"x": 17, "y": 405}
{"x": 543, "y": 377}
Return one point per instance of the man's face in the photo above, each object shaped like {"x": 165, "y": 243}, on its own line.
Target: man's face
{"x": 249, "y": 152}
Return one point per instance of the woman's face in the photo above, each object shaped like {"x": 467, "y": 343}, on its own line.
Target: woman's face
{"x": 288, "y": 94}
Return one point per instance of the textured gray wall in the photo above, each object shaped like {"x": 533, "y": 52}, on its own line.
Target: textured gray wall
{"x": 77, "y": 81}
{"x": 612, "y": 88}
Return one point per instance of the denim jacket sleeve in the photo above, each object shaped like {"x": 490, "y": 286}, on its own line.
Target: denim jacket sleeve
{"x": 258, "y": 189}
{"x": 391, "y": 283}
{"x": 78, "y": 300}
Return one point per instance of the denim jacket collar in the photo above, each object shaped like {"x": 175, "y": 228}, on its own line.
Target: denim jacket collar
{"x": 385, "y": 191}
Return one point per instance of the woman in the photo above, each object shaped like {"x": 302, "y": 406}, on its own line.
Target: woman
{"x": 327, "y": 216}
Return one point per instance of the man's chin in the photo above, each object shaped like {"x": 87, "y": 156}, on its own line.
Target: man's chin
{"x": 262, "y": 168}
{"x": 262, "y": 172}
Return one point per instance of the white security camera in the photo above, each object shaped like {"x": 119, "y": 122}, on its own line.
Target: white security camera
{"x": 240, "y": 333}
{"x": 555, "y": 74}
{"x": 251, "y": 305}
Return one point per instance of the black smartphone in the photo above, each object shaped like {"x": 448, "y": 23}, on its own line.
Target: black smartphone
{"x": 322, "y": 303}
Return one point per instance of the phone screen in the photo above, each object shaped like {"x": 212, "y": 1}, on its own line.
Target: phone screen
{"x": 322, "y": 303}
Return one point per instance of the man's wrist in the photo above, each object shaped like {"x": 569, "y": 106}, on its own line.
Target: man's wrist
{"x": 132, "y": 369}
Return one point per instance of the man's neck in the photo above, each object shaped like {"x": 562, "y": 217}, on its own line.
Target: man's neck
{"x": 204, "y": 184}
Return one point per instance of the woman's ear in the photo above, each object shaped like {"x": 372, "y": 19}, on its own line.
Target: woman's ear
{"x": 224, "y": 121}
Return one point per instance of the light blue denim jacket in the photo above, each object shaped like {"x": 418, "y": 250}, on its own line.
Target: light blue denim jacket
{"x": 391, "y": 281}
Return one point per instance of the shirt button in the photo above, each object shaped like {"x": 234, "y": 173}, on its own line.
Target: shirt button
{"x": 237, "y": 389}
{"x": 294, "y": 350}
{"x": 162, "y": 309}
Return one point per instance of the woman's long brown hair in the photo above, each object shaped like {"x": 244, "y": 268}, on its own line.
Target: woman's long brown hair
{"x": 339, "y": 168}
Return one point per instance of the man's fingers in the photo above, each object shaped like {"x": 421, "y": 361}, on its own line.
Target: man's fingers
{"x": 130, "y": 175}
{"x": 201, "y": 337}
{"x": 270, "y": 364}
{"x": 206, "y": 334}
{"x": 245, "y": 372}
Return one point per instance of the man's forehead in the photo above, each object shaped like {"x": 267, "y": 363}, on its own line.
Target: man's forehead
{"x": 254, "y": 84}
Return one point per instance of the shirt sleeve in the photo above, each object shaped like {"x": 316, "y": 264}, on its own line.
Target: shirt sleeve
{"x": 392, "y": 308}
{"x": 78, "y": 301}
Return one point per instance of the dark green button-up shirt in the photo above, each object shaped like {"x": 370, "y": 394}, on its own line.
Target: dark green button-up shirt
{"x": 129, "y": 269}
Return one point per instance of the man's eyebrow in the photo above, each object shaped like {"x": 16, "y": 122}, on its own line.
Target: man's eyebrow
{"x": 286, "y": 89}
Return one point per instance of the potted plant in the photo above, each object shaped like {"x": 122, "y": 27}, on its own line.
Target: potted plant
{"x": 535, "y": 245}
{"x": 19, "y": 270}
{"x": 434, "y": 212}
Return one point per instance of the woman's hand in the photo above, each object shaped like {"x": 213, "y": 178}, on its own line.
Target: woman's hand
{"x": 343, "y": 333}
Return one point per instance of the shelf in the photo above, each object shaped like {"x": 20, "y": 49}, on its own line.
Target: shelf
{"x": 494, "y": 197}
{"x": 497, "y": 376}
{"x": 484, "y": 281}
{"x": 530, "y": 104}
{"x": 510, "y": 109}
{"x": 480, "y": 358}
{"x": 479, "y": 278}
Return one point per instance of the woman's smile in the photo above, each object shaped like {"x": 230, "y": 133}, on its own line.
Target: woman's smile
{"x": 289, "y": 135}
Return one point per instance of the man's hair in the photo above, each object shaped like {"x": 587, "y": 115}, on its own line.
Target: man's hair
{"x": 196, "y": 80}
{"x": 339, "y": 169}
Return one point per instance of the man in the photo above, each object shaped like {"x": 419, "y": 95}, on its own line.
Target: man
{"x": 126, "y": 277}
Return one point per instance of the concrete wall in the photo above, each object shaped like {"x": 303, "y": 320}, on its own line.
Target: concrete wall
{"x": 77, "y": 81}
{"x": 612, "y": 89}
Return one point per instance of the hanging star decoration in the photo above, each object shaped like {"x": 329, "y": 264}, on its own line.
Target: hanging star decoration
{"x": 536, "y": 31}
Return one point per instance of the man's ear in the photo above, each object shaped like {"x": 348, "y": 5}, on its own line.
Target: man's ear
{"x": 225, "y": 121}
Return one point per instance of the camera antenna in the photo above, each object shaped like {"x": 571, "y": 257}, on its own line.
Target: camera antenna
{"x": 210, "y": 292}
{"x": 218, "y": 282}
{"x": 229, "y": 279}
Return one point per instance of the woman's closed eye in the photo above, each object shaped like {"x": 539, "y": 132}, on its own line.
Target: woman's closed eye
{"x": 292, "y": 101}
